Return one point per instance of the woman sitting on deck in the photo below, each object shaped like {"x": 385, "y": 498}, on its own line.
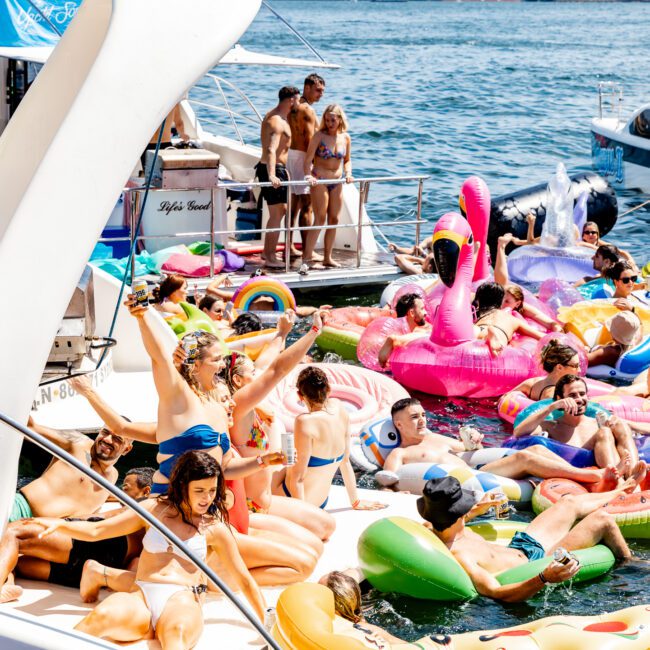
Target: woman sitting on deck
{"x": 166, "y": 599}
{"x": 166, "y": 296}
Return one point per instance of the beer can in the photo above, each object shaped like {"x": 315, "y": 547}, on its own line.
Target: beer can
{"x": 470, "y": 437}
{"x": 288, "y": 449}
{"x": 191, "y": 347}
{"x": 562, "y": 556}
{"x": 140, "y": 288}
{"x": 602, "y": 418}
{"x": 269, "y": 618}
{"x": 501, "y": 507}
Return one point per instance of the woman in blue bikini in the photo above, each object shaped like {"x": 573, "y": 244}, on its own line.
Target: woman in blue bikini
{"x": 329, "y": 147}
{"x": 322, "y": 442}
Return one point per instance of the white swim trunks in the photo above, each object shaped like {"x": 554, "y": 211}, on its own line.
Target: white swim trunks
{"x": 296, "y": 169}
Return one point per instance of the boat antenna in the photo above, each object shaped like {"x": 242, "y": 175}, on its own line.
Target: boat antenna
{"x": 46, "y": 19}
{"x": 300, "y": 37}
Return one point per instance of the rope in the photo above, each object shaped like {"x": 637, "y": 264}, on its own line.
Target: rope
{"x": 635, "y": 208}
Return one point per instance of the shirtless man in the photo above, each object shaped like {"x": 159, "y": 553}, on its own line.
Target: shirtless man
{"x": 604, "y": 258}
{"x": 419, "y": 445}
{"x": 611, "y": 441}
{"x": 303, "y": 121}
{"x": 61, "y": 491}
{"x": 446, "y": 507}
{"x": 276, "y": 140}
{"x": 410, "y": 306}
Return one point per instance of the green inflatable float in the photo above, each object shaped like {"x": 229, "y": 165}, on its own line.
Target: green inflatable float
{"x": 196, "y": 320}
{"x": 401, "y": 556}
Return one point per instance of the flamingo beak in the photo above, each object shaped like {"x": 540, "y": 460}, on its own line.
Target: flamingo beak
{"x": 446, "y": 253}
{"x": 461, "y": 205}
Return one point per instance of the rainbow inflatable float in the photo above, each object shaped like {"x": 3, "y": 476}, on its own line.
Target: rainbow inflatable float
{"x": 631, "y": 511}
{"x": 451, "y": 362}
{"x": 267, "y": 287}
{"x": 307, "y": 620}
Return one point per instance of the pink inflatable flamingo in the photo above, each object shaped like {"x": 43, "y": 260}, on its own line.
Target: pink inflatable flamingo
{"x": 451, "y": 362}
{"x": 474, "y": 200}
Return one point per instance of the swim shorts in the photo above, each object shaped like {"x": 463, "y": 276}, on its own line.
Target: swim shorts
{"x": 296, "y": 167}
{"x": 109, "y": 552}
{"x": 21, "y": 508}
{"x": 528, "y": 545}
{"x": 272, "y": 195}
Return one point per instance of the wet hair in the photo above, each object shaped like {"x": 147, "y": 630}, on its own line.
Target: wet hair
{"x": 614, "y": 272}
{"x": 517, "y": 293}
{"x": 143, "y": 476}
{"x": 207, "y": 302}
{"x": 195, "y": 466}
{"x": 286, "y": 92}
{"x": 336, "y": 110}
{"x": 246, "y": 322}
{"x": 555, "y": 353}
{"x": 313, "y": 384}
{"x": 565, "y": 381}
{"x": 347, "y": 595}
{"x": 609, "y": 253}
{"x": 235, "y": 363}
{"x": 313, "y": 78}
{"x": 406, "y": 302}
{"x": 167, "y": 286}
{"x": 204, "y": 340}
{"x": 429, "y": 264}
{"x": 488, "y": 297}
{"x": 402, "y": 404}
{"x": 593, "y": 225}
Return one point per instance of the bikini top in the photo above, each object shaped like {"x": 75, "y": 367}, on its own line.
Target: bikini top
{"x": 326, "y": 153}
{"x": 200, "y": 436}
{"x": 154, "y": 542}
{"x": 315, "y": 461}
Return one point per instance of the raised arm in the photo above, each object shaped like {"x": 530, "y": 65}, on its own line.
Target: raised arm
{"x": 64, "y": 439}
{"x": 275, "y": 347}
{"x": 215, "y": 287}
{"x": 142, "y": 431}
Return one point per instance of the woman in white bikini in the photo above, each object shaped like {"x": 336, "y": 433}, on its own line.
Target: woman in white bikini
{"x": 165, "y": 602}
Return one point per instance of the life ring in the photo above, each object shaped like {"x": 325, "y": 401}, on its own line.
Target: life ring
{"x": 422, "y": 280}
{"x": 398, "y": 555}
{"x": 306, "y": 620}
{"x": 344, "y": 327}
{"x": 631, "y": 511}
{"x": 266, "y": 286}
{"x": 251, "y": 343}
{"x": 535, "y": 407}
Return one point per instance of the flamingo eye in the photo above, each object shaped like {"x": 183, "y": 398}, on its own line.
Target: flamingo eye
{"x": 470, "y": 239}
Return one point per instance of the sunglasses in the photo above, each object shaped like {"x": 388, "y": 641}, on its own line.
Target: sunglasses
{"x": 116, "y": 439}
{"x": 590, "y": 232}
{"x": 632, "y": 278}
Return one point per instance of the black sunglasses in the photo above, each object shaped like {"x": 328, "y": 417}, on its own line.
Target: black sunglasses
{"x": 590, "y": 232}
{"x": 632, "y": 278}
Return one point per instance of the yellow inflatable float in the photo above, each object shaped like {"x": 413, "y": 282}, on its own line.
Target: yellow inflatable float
{"x": 306, "y": 621}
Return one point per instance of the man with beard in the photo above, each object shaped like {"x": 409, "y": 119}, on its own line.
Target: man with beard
{"x": 411, "y": 307}
{"x": 61, "y": 491}
{"x": 604, "y": 258}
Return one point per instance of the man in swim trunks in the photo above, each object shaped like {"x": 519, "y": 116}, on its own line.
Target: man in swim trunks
{"x": 61, "y": 491}
{"x": 612, "y": 441}
{"x": 446, "y": 507}
{"x": 419, "y": 445}
{"x": 411, "y": 307}
{"x": 272, "y": 167}
{"x": 303, "y": 121}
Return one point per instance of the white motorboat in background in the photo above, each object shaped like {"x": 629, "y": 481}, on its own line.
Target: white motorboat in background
{"x": 620, "y": 147}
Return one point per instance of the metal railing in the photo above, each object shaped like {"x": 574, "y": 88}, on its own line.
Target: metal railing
{"x": 125, "y": 499}
{"x": 611, "y": 93}
{"x": 287, "y": 229}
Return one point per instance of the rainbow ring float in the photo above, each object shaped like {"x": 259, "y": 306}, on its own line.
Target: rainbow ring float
{"x": 264, "y": 286}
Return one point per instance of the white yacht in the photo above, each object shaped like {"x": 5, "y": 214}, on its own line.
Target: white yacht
{"x": 620, "y": 146}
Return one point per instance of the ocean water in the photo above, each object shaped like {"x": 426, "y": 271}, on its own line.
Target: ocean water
{"x": 501, "y": 90}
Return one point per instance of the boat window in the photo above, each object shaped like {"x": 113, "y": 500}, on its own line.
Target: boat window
{"x": 641, "y": 124}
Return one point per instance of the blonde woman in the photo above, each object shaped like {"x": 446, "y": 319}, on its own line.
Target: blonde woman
{"x": 328, "y": 157}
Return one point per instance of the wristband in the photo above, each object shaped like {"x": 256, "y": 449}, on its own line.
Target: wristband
{"x": 260, "y": 461}
{"x": 355, "y": 504}
{"x": 543, "y": 580}
{"x": 315, "y": 329}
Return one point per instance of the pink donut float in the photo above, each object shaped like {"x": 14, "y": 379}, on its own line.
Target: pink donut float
{"x": 451, "y": 362}
{"x": 373, "y": 338}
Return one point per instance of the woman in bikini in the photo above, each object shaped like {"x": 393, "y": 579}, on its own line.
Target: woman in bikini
{"x": 165, "y": 602}
{"x": 255, "y": 430}
{"x": 166, "y": 296}
{"x": 322, "y": 442}
{"x": 557, "y": 360}
{"x": 329, "y": 147}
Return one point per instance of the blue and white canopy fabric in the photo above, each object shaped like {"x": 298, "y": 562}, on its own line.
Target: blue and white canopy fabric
{"x": 29, "y": 29}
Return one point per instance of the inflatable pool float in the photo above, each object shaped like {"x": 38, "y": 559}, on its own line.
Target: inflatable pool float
{"x": 631, "y": 511}
{"x": 599, "y": 288}
{"x": 252, "y": 343}
{"x": 422, "y": 280}
{"x": 398, "y": 555}
{"x": 343, "y": 328}
{"x": 363, "y": 392}
{"x": 628, "y": 407}
{"x": 629, "y": 364}
{"x": 373, "y": 338}
{"x": 307, "y": 620}
{"x": 451, "y": 362}
{"x": 556, "y": 293}
{"x": 264, "y": 286}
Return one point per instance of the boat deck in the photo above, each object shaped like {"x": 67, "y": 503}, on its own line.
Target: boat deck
{"x": 52, "y": 606}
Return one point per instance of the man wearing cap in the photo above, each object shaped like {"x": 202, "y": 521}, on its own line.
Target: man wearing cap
{"x": 446, "y": 506}
{"x": 611, "y": 440}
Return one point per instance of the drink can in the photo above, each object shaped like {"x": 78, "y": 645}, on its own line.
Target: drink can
{"x": 269, "y": 618}
{"x": 470, "y": 437}
{"x": 601, "y": 419}
{"x": 140, "y": 288}
{"x": 561, "y": 555}
{"x": 288, "y": 449}
{"x": 501, "y": 507}
{"x": 191, "y": 347}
